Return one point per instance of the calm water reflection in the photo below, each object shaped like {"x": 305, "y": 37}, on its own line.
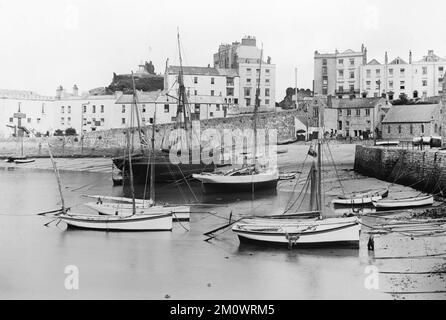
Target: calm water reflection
{"x": 149, "y": 265}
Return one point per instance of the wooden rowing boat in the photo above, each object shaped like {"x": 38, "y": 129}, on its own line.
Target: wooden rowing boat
{"x": 405, "y": 202}
{"x": 364, "y": 197}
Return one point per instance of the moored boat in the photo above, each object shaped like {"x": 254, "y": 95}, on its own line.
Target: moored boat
{"x": 137, "y": 222}
{"x": 25, "y": 160}
{"x": 179, "y": 213}
{"x": 310, "y": 232}
{"x": 364, "y": 197}
{"x": 418, "y": 201}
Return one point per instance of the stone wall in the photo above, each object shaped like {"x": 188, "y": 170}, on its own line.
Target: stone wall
{"x": 113, "y": 142}
{"x": 423, "y": 169}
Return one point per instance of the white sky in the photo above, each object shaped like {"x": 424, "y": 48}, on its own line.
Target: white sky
{"x": 45, "y": 43}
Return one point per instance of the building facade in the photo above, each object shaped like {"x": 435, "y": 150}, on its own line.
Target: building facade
{"x": 27, "y": 109}
{"x": 244, "y": 57}
{"x": 405, "y": 122}
{"x": 338, "y": 74}
{"x": 415, "y": 79}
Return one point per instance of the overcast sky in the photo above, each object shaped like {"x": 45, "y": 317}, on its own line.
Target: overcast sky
{"x": 50, "y": 42}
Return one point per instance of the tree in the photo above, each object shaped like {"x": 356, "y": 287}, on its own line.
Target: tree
{"x": 70, "y": 132}
{"x": 58, "y": 133}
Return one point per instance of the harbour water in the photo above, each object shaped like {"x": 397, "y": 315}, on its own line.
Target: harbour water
{"x": 159, "y": 265}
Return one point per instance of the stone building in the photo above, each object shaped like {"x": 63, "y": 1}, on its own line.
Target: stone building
{"x": 338, "y": 74}
{"x": 405, "y": 122}
{"x": 357, "y": 118}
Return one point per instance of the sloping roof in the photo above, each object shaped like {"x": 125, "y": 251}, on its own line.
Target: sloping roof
{"x": 398, "y": 60}
{"x": 410, "y": 113}
{"x": 199, "y": 71}
{"x": 355, "y": 103}
{"x": 348, "y": 51}
{"x": 374, "y": 62}
{"x": 228, "y": 72}
{"x": 161, "y": 97}
{"x": 142, "y": 97}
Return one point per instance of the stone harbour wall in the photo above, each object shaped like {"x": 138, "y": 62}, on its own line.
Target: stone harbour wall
{"x": 113, "y": 142}
{"x": 424, "y": 170}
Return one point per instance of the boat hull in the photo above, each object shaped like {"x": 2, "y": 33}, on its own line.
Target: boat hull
{"x": 179, "y": 213}
{"x": 164, "y": 170}
{"x": 404, "y": 203}
{"x": 115, "y": 223}
{"x": 336, "y": 231}
{"x": 361, "y": 198}
{"x": 213, "y": 183}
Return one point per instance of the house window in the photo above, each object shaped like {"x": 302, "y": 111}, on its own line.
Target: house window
{"x": 217, "y": 107}
{"x": 402, "y": 85}
{"x": 122, "y": 120}
{"x": 399, "y": 129}
{"x": 424, "y": 70}
{"x": 358, "y": 112}
{"x": 197, "y": 108}
{"x": 212, "y": 81}
{"x": 367, "y": 112}
{"x": 248, "y": 81}
{"x": 229, "y": 91}
{"x": 247, "y": 92}
{"x": 196, "y": 92}
{"x": 212, "y": 93}
{"x": 62, "y": 121}
{"x": 422, "y": 128}
{"x": 402, "y": 70}
{"x": 440, "y": 69}
{"x": 62, "y": 109}
{"x": 349, "y": 112}
{"x": 266, "y": 82}
{"x": 102, "y": 108}
{"x": 248, "y": 71}
{"x": 29, "y": 120}
{"x": 378, "y": 72}
{"x": 352, "y": 74}
{"x": 267, "y": 92}
{"x": 85, "y": 109}
{"x": 341, "y": 73}
{"x": 248, "y": 102}
{"x": 368, "y": 73}
{"x": 390, "y": 72}
{"x": 38, "y": 120}
{"x": 151, "y": 120}
{"x": 340, "y": 112}
{"x": 11, "y": 120}
{"x": 143, "y": 108}
{"x": 68, "y": 120}
{"x": 411, "y": 129}
{"x": 391, "y": 84}
{"x": 266, "y": 101}
{"x": 267, "y": 72}
{"x": 324, "y": 62}
{"x": 352, "y": 61}
{"x": 388, "y": 129}
{"x": 341, "y": 61}
{"x": 43, "y": 108}
{"x": 102, "y": 121}
{"x": 166, "y": 108}
{"x": 69, "y": 109}
{"x": 195, "y": 79}
{"x": 424, "y": 83}
{"x": 341, "y": 88}
{"x": 123, "y": 108}
{"x": 94, "y": 109}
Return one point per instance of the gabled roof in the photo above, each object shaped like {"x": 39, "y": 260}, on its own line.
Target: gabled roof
{"x": 398, "y": 60}
{"x": 349, "y": 51}
{"x": 199, "y": 71}
{"x": 374, "y": 62}
{"x": 421, "y": 113}
{"x": 359, "y": 103}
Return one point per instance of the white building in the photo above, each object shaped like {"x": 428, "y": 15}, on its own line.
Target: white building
{"x": 244, "y": 58}
{"x": 423, "y": 78}
{"x": 27, "y": 109}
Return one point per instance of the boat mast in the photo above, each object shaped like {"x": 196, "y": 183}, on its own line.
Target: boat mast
{"x": 135, "y": 99}
{"x": 132, "y": 187}
{"x": 181, "y": 93}
{"x": 319, "y": 164}
{"x": 56, "y": 171}
{"x": 152, "y": 162}
{"x": 256, "y": 107}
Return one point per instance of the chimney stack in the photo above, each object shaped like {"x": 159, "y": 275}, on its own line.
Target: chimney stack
{"x": 59, "y": 92}
{"x": 75, "y": 91}
{"x": 410, "y": 57}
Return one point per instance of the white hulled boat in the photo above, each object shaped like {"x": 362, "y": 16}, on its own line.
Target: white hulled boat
{"x": 363, "y": 197}
{"x": 418, "y": 201}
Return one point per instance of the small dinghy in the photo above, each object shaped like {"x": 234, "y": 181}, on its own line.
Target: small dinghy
{"x": 363, "y": 197}
{"x": 405, "y": 202}
{"x": 25, "y": 160}
{"x": 137, "y": 222}
{"x": 179, "y": 213}
{"x": 310, "y": 232}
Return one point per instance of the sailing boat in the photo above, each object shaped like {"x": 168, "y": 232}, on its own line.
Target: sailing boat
{"x": 319, "y": 231}
{"x": 180, "y": 213}
{"x": 164, "y": 168}
{"x": 137, "y": 221}
{"x": 247, "y": 178}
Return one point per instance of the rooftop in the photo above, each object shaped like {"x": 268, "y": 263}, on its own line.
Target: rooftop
{"x": 410, "y": 113}
{"x": 360, "y": 103}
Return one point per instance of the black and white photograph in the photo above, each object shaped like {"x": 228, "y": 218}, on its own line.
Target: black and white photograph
{"x": 247, "y": 151}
